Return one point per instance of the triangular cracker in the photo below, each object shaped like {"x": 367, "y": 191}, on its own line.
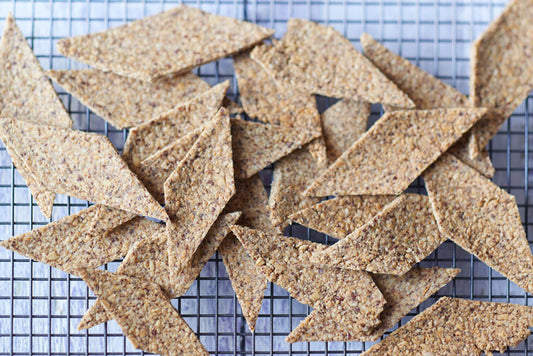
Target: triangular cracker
{"x": 144, "y": 313}
{"x": 80, "y": 164}
{"x": 394, "y": 152}
{"x": 459, "y": 327}
{"x": 152, "y": 136}
{"x": 170, "y": 42}
{"x": 402, "y": 234}
{"x": 198, "y": 190}
{"x": 480, "y": 217}
{"x": 148, "y": 260}
{"x": 126, "y": 102}
{"x": 257, "y": 145}
{"x": 317, "y": 59}
{"x": 340, "y": 216}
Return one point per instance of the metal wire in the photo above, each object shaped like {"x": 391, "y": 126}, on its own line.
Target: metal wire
{"x": 40, "y": 306}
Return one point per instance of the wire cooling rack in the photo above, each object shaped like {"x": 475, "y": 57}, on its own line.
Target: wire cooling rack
{"x": 40, "y": 306}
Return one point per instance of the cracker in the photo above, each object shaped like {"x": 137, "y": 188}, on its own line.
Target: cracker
{"x": 342, "y": 124}
{"x": 156, "y": 46}
{"x": 316, "y": 59}
{"x": 108, "y": 218}
{"x": 340, "y": 216}
{"x": 144, "y": 313}
{"x": 459, "y": 327}
{"x": 285, "y": 261}
{"x": 197, "y": 191}
{"x": 501, "y": 67}
{"x": 148, "y": 260}
{"x": 152, "y": 136}
{"x": 80, "y": 164}
{"x": 257, "y": 145}
{"x": 250, "y": 194}
{"x": 394, "y": 152}
{"x": 402, "y": 234}
{"x": 480, "y": 217}
{"x": 126, "y": 102}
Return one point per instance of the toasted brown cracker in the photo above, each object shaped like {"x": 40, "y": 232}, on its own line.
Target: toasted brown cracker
{"x": 250, "y": 194}
{"x": 480, "y": 217}
{"x": 27, "y": 95}
{"x": 342, "y": 125}
{"x": 144, "y": 313}
{"x": 152, "y": 136}
{"x": 148, "y": 260}
{"x": 156, "y": 46}
{"x": 396, "y": 150}
{"x": 317, "y": 59}
{"x": 81, "y": 164}
{"x": 340, "y": 216}
{"x": 402, "y": 234}
{"x": 126, "y": 102}
{"x": 459, "y": 327}
{"x": 198, "y": 190}
{"x": 501, "y": 67}
{"x": 257, "y": 145}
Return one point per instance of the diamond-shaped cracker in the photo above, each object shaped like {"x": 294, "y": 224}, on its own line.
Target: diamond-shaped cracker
{"x": 285, "y": 261}
{"x": 152, "y": 136}
{"x": 402, "y": 234}
{"x": 501, "y": 67}
{"x": 171, "y": 42}
{"x": 198, "y": 190}
{"x": 144, "y": 313}
{"x": 394, "y": 152}
{"x": 316, "y": 59}
{"x": 148, "y": 260}
{"x": 27, "y": 95}
{"x": 480, "y": 217}
{"x": 126, "y": 102}
{"x": 80, "y": 164}
{"x": 256, "y": 145}
{"x": 459, "y": 327}
{"x": 340, "y": 216}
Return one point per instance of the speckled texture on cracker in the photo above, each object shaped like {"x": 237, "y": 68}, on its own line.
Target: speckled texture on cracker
{"x": 480, "y": 217}
{"x": 152, "y": 136}
{"x": 250, "y": 194}
{"x": 198, "y": 190}
{"x": 256, "y": 145}
{"x": 27, "y": 95}
{"x": 80, "y": 164}
{"x": 144, "y": 313}
{"x": 156, "y": 46}
{"x": 340, "y": 216}
{"x": 108, "y": 218}
{"x": 342, "y": 124}
{"x": 394, "y": 152}
{"x": 316, "y": 59}
{"x": 501, "y": 67}
{"x": 126, "y": 102}
{"x": 402, "y": 234}
{"x": 459, "y": 327}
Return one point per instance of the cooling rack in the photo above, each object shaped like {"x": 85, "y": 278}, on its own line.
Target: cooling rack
{"x": 40, "y": 306}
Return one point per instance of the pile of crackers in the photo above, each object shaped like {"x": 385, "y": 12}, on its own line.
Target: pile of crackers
{"x": 187, "y": 183}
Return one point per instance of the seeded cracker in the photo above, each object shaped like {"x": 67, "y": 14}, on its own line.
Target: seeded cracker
{"x": 198, "y": 190}
{"x": 340, "y": 216}
{"x": 156, "y": 46}
{"x": 459, "y": 327}
{"x": 148, "y": 260}
{"x": 144, "y": 313}
{"x": 480, "y": 217}
{"x": 316, "y": 59}
{"x": 394, "y": 152}
{"x": 27, "y": 95}
{"x": 501, "y": 67}
{"x": 152, "y": 136}
{"x": 285, "y": 261}
{"x": 126, "y": 102}
{"x": 402, "y": 234}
